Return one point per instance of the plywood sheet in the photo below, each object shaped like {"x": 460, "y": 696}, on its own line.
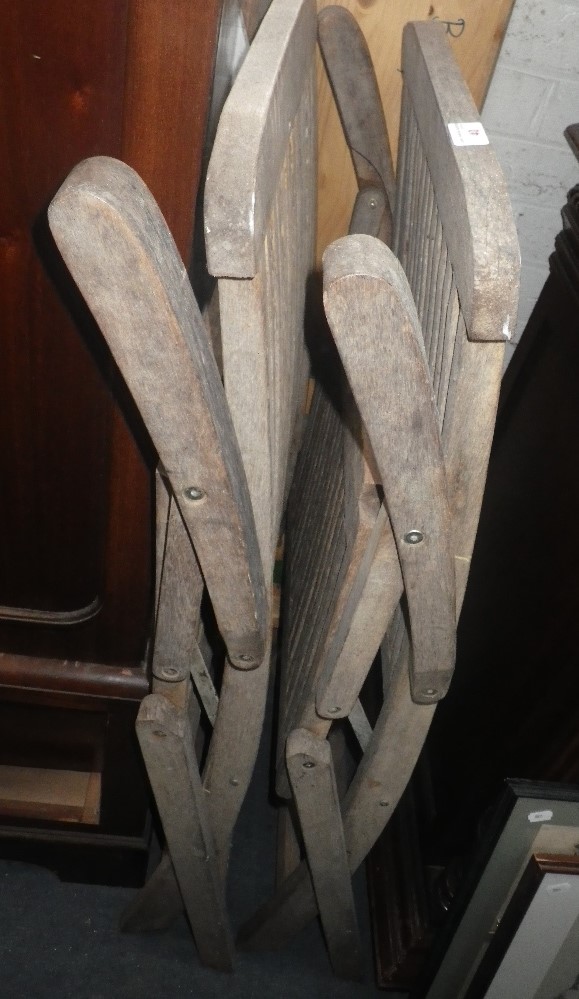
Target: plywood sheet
{"x": 476, "y": 32}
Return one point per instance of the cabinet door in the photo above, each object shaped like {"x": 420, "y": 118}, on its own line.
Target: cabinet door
{"x": 127, "y": 78}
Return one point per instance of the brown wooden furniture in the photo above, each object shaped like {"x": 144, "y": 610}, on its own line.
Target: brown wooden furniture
{"x": 129, "y": 79}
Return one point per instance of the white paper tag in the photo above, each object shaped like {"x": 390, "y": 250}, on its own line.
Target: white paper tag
{"x": 468, "y": 133}
{"x": 545, "y": 816}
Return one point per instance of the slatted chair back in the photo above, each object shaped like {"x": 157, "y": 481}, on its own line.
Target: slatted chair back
{"x": 260, "y": 228}
{"x": 260, "y": 235}
{"x": 437, "y": 331}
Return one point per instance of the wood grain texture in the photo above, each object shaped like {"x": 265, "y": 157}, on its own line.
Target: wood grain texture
{"x": 264, "y": 375}
{"x": 169, "y": 67}
{"x": 311, "y": 773}
{"x": 61, "y": 85}
{"x": 353, "y": 81}
{"x": 465, "y": 377}
{"x": 379, "y": 782}
{"x": 476, "y": 48}
{"x": 233, "y": 750}
{"x": 331, "y": 514}
{"x": 167, "y": 745}
{"x": 180, "y": 592}
{"x": 117, "y": 246}
{"x": 479, "y": 232}
{"x": 376, "y": 329}
{"x": 433, "y": 246}
{"x": 264, "y": 156}
{"x": 259, "y": 215}
{"x": 369, "y": 603}
{"x": 251, "y": 142}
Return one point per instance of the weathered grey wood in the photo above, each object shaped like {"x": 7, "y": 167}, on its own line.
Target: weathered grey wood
{"x": 251, "y": 142}
{"x": 471, "y": 192}
{"x": 331, "y": 517}
{"x": 122, "y": 256}
{"x": 386, "y": 766}
{"x": 465, "y": 378}
{"x": 264, "y": 358}
{"x": 373, "y": 320}
{"x": 275, "y": 307}
{"x": 180, "y": 591}
{"x": 311, "y": 773}
{"x": 360, "y": 725}
{"x": 260, "y": 217}
{"x": 353, "y": 80}
{"x": 232, "y": 752}
{"x": 166, "y": 742}
{"x": 370, "y": 603}
{"x": 203, "y": 683}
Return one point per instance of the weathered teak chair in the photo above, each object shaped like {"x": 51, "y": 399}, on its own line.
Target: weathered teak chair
{"x": 422, "y": 352}
{"x": 223, "y": 454}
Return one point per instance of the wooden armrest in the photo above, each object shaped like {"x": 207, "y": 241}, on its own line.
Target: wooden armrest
{"x": 120, "y": 252}
{"x": 372, "y": 316}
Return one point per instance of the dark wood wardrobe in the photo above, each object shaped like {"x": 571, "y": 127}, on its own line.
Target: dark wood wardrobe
{"x": 130, "y": 79}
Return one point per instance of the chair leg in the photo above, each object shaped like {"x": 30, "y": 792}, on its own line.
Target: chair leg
{"x": 167, "y": 741}
{"x": 311, "y": 774}
{"x": 380, "y": 780}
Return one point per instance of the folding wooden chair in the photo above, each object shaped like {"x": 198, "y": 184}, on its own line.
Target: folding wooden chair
{"x": 422, "y": 352}
{"x": 223, "y": 454}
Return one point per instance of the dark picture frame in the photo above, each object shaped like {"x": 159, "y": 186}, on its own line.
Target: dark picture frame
{"x": 530, "y": 820}
{"x": 533, "y": 953}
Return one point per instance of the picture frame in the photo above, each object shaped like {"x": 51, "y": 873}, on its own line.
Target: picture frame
{"x": 530, "y": 820}
{"x": 534, "y": 951}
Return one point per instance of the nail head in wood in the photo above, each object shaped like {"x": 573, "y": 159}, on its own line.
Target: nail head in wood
{"x": 193, "y": 493}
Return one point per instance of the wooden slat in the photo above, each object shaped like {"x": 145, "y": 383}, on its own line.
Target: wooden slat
{"x": 398, "y": 736}
{"x": 166, "y": 741}
{"x": 311, "y": 773}
{"x": 469, "y": 186}
{"x": 261, "y": 196}
{"x": 180, "y": 591}
{"x": 370, "y": 602}
{"x": 260, "y": 217}
{"x": 251, "y": 143}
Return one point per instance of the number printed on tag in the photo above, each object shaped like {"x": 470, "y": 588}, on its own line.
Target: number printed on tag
{"x": 468, "y": 133}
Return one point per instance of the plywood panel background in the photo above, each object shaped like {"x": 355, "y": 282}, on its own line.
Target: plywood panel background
{"x": 476, "y": 44}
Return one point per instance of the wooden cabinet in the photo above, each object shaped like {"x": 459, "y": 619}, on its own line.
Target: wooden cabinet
{"x": 130, "y": 79}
